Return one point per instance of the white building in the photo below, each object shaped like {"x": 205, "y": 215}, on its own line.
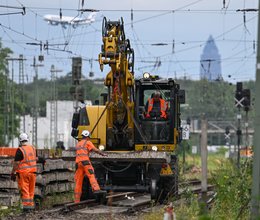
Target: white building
{"x": 65, "y": 111}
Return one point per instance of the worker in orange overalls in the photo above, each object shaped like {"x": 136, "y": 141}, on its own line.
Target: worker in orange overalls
{"x": 156, "y": 106}
{"x": 24, "y": 167}
{"x": 84, "y": 167}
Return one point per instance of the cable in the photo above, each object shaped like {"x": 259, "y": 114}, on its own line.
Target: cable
{"x": 117, "y": 171}
{"x": 13, "y": 41}
{"x": 140, "y": 10}
{"x": 219, "y": 36}
{"x": 75, "y": 41}
{"x": 17, "y": 32}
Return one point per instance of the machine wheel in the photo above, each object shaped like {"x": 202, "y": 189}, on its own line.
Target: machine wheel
{"x": 175, "y": 169}
{"x": 153, "y": 189}
{"x": 169, "y": 188}
{"x": 169, "y": 184}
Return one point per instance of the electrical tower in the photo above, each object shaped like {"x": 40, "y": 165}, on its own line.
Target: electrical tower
{"x": 6, "y": 107}
{"x": 76, "y": 90}
{"x": 36, "y": 104}
{"x": 10, "y": 100}
{"x": 21, "y": 85}
{"x": 53, "y": 108}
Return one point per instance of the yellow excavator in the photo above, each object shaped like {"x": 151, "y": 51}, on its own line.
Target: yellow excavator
{"x": 141, "y": 150}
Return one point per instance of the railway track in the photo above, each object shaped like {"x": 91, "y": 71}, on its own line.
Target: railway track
{"x": 125, "y": 205}
{"x": 114, "y": 203}
{"x": 131, "y": 201}
{"x": 194, "y": 185}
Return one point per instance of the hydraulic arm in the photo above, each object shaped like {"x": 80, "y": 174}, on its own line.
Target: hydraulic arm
{"x": 118, "y": 54}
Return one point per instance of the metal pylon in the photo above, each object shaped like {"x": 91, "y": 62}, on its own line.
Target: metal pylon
{"x": 36, "y": 105}
{"x": 21, "y": 84}
{"x": 53, "y": 108}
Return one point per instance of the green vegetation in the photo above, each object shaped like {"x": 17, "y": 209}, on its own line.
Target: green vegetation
{"x": 11, "y": 211}
{"x": 233, "y": 191}
{"x": 46, "y": 203}
{"x": 63, "y": 85}
{"x": 55, "y": 199}
{"x": 215, "y": 99}
{"x": 232, "y": 187}
{"x": 6, "y": 119}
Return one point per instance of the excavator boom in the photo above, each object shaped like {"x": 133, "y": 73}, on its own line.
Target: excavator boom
{"x": 118, "y": 54}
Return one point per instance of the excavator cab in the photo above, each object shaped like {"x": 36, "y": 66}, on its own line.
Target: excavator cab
{"x": 162, "y": 132}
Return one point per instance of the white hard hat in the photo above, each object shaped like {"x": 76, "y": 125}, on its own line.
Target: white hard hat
{"x": 85, "y": 133}
{"x": 23, "y": 137}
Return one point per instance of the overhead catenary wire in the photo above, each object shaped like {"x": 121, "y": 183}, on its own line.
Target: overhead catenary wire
{"x": 138, "y": 10}
{"x": 217, "y": 37}
{"x": 142, "y": 41}
{"x": 12, "y": 40}
{"x": 178, "y": 9}
{"x": 22, "y": 12}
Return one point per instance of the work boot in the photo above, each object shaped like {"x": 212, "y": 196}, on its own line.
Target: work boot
{"x": 26, "y": 211}
{"x": 100, "y": 196}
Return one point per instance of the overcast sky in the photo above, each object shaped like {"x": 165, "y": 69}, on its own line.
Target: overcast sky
{"x": 188, "y": 22}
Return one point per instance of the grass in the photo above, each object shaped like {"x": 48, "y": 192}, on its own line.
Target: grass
{"x": 46, "y": 203}
{"x": 193, "y": 165}
{"x": 10, "y": 211}
{"x": 233, "y": 187}
{"x": 55, "y": 199}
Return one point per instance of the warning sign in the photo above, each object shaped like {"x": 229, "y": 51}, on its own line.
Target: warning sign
{"x": 185, "y": 132}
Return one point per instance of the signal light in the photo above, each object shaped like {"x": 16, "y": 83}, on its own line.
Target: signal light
{"x": 227, "y": 130}
{"x": 146, "y": 75}
{"x": 247, "y": 97}
{"x": 164, "y": 165}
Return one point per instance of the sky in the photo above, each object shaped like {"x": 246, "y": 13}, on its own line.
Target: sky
{"x": 187, "y": 23}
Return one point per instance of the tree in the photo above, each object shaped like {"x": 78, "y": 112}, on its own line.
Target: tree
{"x": 5, "y": 111}
{"x": 63, "y": 85}
{"x": 215, "y": 99}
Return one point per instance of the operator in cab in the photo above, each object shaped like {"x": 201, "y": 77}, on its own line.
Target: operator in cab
{"x": 156, "y": 106}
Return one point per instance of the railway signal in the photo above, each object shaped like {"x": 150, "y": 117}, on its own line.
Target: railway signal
{"x": 242, "y": 100}
{"x": 239, "y": 99}
{"x": 227, "y": 135}
{"x": 242, "y": 97}
{"x": 247, "y": 99}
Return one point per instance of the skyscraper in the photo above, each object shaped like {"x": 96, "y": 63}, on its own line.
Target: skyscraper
{"x": 210, "y": 62}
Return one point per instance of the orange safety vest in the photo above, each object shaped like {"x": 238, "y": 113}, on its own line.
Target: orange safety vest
{"x": 163, "y": 106}
{"x": 28, "y": 164}
{"x": 82, "y": 152}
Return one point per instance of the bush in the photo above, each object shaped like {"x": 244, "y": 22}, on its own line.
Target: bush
{"x": 233, "y": 191}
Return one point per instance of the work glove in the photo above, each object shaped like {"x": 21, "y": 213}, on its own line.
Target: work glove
{"x": 13, "y": 177}
{"x": 104, "y": 154}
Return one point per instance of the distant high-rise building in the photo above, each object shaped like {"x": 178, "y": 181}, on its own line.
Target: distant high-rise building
{"x": 210, "y": 62}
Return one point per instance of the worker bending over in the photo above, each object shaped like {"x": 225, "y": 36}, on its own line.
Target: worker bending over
{"x": 24, "y": 167}
{"x": 84, "y": 167}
